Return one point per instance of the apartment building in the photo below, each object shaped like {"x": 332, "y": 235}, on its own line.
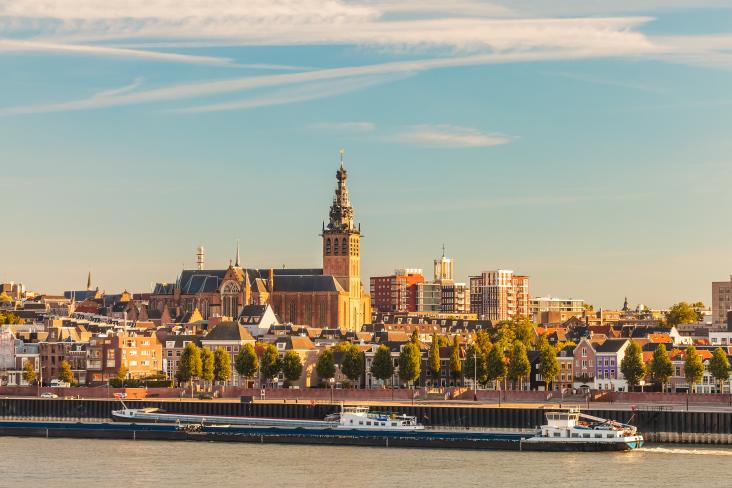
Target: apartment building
{"x": 499, "y": 295}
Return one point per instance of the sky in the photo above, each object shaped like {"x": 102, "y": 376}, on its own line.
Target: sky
{"x": 585, "y": 143}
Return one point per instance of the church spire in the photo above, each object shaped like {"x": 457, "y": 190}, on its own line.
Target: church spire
{"x": 88, "y": 282}
{"x": 341, "y": 212}
{"x": 237, "y": 253}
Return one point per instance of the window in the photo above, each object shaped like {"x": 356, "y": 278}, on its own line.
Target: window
{"x": 327, "y": 247}
{"x": 293, "y": 312}
{"x": 344, "y": 247}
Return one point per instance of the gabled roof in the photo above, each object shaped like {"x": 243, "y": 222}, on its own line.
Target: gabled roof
{"x": 229, "y": 331}
{"x": 309, "y": 283}
{"x": 611, "y": 345}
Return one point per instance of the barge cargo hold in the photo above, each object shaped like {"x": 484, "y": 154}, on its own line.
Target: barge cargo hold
{"x": 169, "y": 432}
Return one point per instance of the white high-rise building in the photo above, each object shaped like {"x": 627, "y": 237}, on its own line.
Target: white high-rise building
{"x": 499, "y": 295}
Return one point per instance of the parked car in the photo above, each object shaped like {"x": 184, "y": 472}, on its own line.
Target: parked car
{"x": 48, "y": 395}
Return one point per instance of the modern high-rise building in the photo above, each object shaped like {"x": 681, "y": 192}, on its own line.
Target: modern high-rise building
{"x": 429, "y": 297}
{"x": 499, "y": 295}
{"x": 551, "y": 309}
{"x": 721, "y": 301}
{"x": 455, "y": 298}
{"x": 397, "y": 292}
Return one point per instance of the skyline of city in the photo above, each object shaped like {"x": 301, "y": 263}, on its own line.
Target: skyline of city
{"x": 581, "y": 143}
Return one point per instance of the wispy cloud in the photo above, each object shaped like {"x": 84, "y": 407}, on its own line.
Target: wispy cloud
{"x": 301, "y": 93}
{"x": 450, "y": 136}
{"x": 210, "y": 88}
{"x": 344, "y": 126}
{"x": 599, "y": 80}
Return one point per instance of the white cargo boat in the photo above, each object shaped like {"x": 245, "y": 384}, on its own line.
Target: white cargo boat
{"x": 571, "y": 430}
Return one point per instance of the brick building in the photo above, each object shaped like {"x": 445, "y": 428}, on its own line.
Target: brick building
{"x": 397, "y": 292}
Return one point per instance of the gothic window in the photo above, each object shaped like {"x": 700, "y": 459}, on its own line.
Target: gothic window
{"x": 230, "y": 299}
{"x": 293, "y": 312}
{"x": 344, "y": 249}
{"x": 308, "y": 313}
{"x": 327, "y": 247}
{"x": 335, "y": 247}
{"x": 321, "y": 314}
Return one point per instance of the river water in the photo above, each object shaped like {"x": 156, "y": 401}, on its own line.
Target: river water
{"x": 72, "y": 462}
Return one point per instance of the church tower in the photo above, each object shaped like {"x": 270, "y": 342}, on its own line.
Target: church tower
{"x": 342, "y": 240}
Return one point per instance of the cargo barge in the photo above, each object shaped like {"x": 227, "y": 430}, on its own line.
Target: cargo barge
{"x": 339, "y": 431}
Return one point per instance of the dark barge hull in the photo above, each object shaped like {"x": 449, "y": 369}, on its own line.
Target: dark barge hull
{"x": 168, "y": 432}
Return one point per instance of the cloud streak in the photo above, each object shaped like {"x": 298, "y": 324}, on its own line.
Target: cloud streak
{"x": 449, "y": 136}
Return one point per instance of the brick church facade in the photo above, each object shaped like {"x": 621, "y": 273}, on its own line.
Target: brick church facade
{"x": 330, "y": 297}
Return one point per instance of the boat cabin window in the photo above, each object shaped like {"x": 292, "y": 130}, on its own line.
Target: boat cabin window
{"x": 598, "y": 436}
{"x": 368, "y": 423}
{"x": 557, "y": 434}
{"x": 575, "y": 434}
{"x": 586, "y": 436}
{"x": 360, "y": 422}
{"x": 351, "y": 420}
{"x": 393, "y": 424}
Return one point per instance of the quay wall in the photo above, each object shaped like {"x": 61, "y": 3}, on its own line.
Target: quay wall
{"x": 657, "y": 425}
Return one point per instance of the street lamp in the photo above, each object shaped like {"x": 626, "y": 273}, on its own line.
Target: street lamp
{"x": 332, "y": 388}
{"x": 475, "y": 374}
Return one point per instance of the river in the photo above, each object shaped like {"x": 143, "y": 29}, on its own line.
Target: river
{"x": 72, "y": 462}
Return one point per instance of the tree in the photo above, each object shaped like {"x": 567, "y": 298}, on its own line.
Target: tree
{"x": 410, "y": 360}
{"x": 325, "y": 366}
{"x": 352, "y": 362}
{"x": 541, "y": 342}
{"x": 434, "y": 358}
{"x": 415, "y": 337}
{"x": 661, "y": 367}
{"x": 519, "y": 366}
{"x": 693, "y": 367}
{"x": 442, "y": 341}
{"x": 122, "y": 373}
{"x": 222, "y": 365}
{"x": 496, "y": 368}
{"x": 548, "y": 364}
{"x": 29, "y": 372}
{"x": 247, "y": 362}
{"x": 475, "y": 364}
{"x": 681, "y": 313}
{"x": 190, "y": 365}
{"x": 632, "y": 365}
{"x": 523, "y": 330}
{"x": 484, "y": 341}
{"x": 207, "y": 365}
{"x": 291, "y": 366}
{"x": 456, "y": 365}
{"x": 719, "y": 367}
{"x": 65, "y": 374}
{"x": 271, "y": 364}
{"x": 382, "y": 367}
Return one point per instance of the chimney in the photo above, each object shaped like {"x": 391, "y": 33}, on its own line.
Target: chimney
{"x": 271, "y": 280}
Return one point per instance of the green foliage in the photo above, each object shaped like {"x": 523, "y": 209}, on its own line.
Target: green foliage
{"x": 456, "y": 365}
{"x": 632, "y": 365}
{"x": 719, "y": 365}
{"x": 661, "y": 368}
{"x": 434, "y": 358}
{"x": 9, "y": 318}
{"x": 410, "y": 360}
{"x": 475, "y": 363}
{"x": 352, "y": 363}
{"x": 190, "y": 365}
{"x": 121, "y": 373}
{"x": 496, "y": 368}
{"x": 523, "y": 330}
{"x": 681, "y": 313}
{"x": 222, "y": 365}
{"x": 325, "y": 367}
{"x": 29, "y": 372}
{"x": 415, "y": 337}
{"x": 207, "y": 364}
{"x": 247, "y": 362}
{"x": 548, "y": 364}
{"x": 519, "y": 366}
{"x": 271, "y": 364}
{"x": 541, "y": 342}
{"x": 65, "y": 374}
{"x": 382, "y": 367}
{"x": 693, "y": 367}
{"x": 291, "y": 366}
{"x": 484, "y": 341}
{"x": 442, "y": 341}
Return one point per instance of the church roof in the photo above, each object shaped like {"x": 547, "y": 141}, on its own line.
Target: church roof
{"x": 308, "y": 283}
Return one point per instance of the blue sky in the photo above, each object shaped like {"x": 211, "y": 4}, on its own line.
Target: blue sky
{"x": 584, "y": 143}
